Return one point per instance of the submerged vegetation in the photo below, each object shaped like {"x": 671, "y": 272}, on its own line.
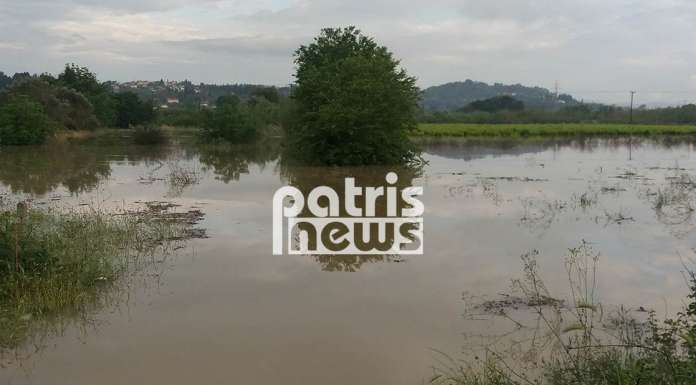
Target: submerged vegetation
{"x": 57, "y": 265}
{"x": 237, "y": 121}
{"x": 577, "y": 341}
{"x": 149, "y": 135}
{"x": 561, "y": 129}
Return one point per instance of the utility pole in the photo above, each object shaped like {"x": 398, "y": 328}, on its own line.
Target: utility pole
{"x": 630, "y": 138}
{"x": 631, "y": 112}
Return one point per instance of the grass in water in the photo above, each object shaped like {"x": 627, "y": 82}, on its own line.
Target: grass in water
{"x": 576, "y": 341}
{"x": 567, "y": 129}
{"x": 57, "y": 265}
{"x": 150, "y": 136}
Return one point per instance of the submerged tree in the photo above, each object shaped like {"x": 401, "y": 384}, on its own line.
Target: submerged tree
{"x": 354, "y": 104}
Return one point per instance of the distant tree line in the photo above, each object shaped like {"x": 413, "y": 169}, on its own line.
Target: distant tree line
{"x": 73, "y": 100}
{"x": 232, "y": 118}
{"x": 189, "y": 94}
{"x": 507, "y": 109}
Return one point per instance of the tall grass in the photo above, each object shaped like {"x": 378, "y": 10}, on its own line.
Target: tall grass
{"x": 550, "y": 129}
{"x": 577, "y": 341}
{"x": 58, "y": 264}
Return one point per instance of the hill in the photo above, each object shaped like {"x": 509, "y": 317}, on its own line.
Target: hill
{"x": 452, "y": 96}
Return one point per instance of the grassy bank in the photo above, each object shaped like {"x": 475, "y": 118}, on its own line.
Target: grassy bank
{"x": 571, "y": 129}
{"x": 57, "y": 265}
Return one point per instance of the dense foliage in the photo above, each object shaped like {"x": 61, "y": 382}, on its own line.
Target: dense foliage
{"x": 131, "y": 111}
{"x": 23, "y": 121}
{"x": 111, "y": 109}
{"x": 66, "y": 107}
{"x": 495, "y": 104}
{"x": 237, "y": 121}
{"x": 73, "y": 100}
{"x": 182, "y": 116}
{"x": 354, "y": 104}
{"x": 580, "y": 113}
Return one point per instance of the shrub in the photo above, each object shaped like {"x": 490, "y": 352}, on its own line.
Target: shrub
{"x": 23, "y": 121}
{"x": 182, "y": 116}
{"x": 236, "y": 121}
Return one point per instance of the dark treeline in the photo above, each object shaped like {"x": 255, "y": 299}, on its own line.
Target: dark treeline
{"x": 234, "y": 118}
{"x": 506, "y": 109}
{"x": 33, "y": 106}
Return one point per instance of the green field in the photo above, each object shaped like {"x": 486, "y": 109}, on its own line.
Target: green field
{"x": 550, "y": 129}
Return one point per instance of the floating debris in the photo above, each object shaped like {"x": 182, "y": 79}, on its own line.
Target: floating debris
{"x": 515, "y": 179}
{"x": 511, "y": 302}
{"x": 612, "y": 189}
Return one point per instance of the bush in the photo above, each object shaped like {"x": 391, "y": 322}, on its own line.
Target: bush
{"x": 238, "y": 122}
{"x": 182, "y": 116}
{"x": 23, "y": 121}
{"x": 354, "y": 104}
{"x": 146, "y": 135}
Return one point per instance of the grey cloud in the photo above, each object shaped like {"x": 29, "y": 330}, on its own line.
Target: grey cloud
{"x": 252, "y": 45}
{"x": 587, "y": 45}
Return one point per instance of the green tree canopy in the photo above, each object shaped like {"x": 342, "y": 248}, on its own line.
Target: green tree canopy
{"x": 355, "y": 105}
{"x": 131, "y": 111}
{"x": 80, "y": 79}
{"x": 237, "y": 121}
{"x": 23, "y": 121}
{"x": 65, "y": 106}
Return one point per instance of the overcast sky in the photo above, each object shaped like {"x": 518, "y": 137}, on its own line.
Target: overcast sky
{"x": 595, "y": 49}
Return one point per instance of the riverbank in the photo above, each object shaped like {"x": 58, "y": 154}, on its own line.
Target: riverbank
{"x": 549, "y": 129}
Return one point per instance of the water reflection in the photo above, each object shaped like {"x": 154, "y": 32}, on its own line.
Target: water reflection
{"x": 78, "y": 169}
{"x": 306, "y": 178}
{"x": 229, "y": 161}
{"x": 471, "y": 149}
{"x": 45, "y": 169}
{"x": 486, "y": 203}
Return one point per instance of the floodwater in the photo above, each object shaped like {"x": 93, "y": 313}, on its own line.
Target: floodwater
{"x": 225, "y": 310}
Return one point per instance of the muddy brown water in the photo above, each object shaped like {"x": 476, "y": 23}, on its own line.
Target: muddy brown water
{"x": 224, "y": 310}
